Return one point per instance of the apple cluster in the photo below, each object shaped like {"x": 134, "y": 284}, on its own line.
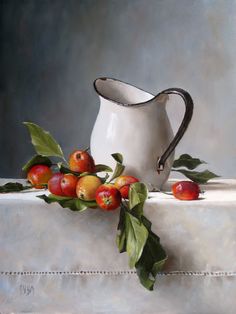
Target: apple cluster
{"x": 82, "y": 182}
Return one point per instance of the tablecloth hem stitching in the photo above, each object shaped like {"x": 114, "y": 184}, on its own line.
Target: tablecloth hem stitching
{"x": 121, "y": 272}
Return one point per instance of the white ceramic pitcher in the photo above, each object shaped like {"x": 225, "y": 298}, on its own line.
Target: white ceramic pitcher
{"x": 135, "y": 123}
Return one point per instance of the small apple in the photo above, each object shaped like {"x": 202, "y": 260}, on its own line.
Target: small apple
{"x": 122, "y": 183}
{"x": 81, "y": 161}
{"x": 39, "y": 175}
{"x": 68, "y": 184}
{"x": 186, "y": 190}
{"x": 108, "y": 197}
{"x": 87, "y": 186}
{"x": 54, "y": 184}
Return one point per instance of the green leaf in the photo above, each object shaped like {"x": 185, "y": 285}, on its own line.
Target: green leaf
{"x": 83, "y": 174}
{"x": 14, "y": 187}
{"x": 119, "y": 167}
{"x": 89, "y": 204}
{"x": 136, "y": 236}
{"x": 138, "y": 194}
{"x": 187, "y": 161}
{"x": 121, "y": 241}
{"x": 118, "y": 157}
{"x": 74, "y": 204}
{"x": 43, "y": 142}
{"x": 120, "y": 237}
{"x": 157, "y": 253}
{"x": 37, "y": 160}
{"x": 198, "y": 177}
{"x": 117, "y": 172}
{"x": 64, "y": 201}
{"x": 64, "y": 169}
{"x": 147, "y": 223}
{"x": 137, "y": 210}
{"x": 102, "y": 168}
{"x": 145, "y": 278}
{"x": 151, "y": 261}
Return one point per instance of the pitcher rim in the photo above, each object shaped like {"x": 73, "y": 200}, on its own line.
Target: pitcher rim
{"x": 118, "y": 102}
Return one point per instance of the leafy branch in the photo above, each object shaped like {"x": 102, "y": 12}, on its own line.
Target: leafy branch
{"x": 74, "y": 204}
{"x": 191, "y": 163}
{"x": 11, "y": 187}
{"x": 137, "y": 239}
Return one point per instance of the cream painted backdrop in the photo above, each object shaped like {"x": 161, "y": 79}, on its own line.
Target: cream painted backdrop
{"x": 51, "y": 51}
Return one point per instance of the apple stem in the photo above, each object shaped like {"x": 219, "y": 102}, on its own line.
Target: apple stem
{"x": 86, "y": 149}
{"x": 125, "y": 203}
{"x": 45, "y": 185}
{"x": 65, "y": 160}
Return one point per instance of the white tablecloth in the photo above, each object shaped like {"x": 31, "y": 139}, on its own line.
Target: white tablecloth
{"x": 53, "y": 260}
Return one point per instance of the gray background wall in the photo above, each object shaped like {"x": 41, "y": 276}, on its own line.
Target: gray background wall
{"x": 52, "y": 50}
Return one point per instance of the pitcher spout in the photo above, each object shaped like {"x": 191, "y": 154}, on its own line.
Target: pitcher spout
{"x": 121, "y": 93}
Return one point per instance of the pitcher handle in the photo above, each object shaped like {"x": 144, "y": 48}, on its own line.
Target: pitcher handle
{"x": 183, "y": 127}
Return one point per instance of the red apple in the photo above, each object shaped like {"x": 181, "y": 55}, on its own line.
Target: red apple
{"x": 54, "y": 184}
{"x": 108, "y": 197}
{"x": 81, "y": 161}
{"x": 39, "y": 175}
{"x": 68, "y": 185}
{"x": 186, "y": 190}
{"x": 122, "y": 183}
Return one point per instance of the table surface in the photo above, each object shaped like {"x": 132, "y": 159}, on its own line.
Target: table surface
{"x": 49, "y": 254}
{"x": 199, "y": 225}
